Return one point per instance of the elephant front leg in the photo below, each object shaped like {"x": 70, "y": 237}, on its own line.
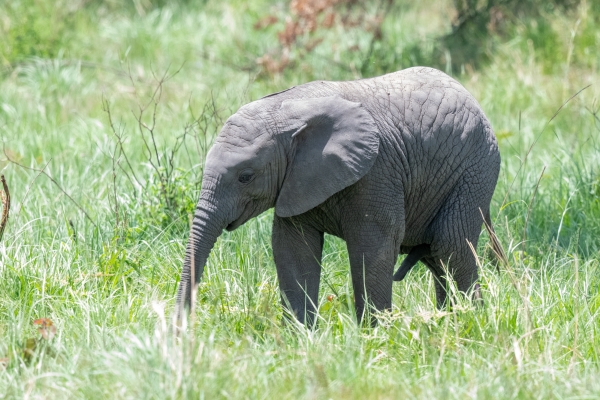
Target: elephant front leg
{"x": 372, "y": 260}
{"x": 297, "y": 250}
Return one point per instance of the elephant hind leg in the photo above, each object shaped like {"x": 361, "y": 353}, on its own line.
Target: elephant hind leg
{"x": 455, "y": 234}
{"x": 439, "y": 281}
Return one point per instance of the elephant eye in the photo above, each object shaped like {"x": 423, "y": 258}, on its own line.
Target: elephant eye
{"x": 246, "y": 176}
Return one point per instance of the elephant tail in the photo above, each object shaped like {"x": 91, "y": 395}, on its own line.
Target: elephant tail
{"x": 496, "y": 246}
{"x": 414, "y": 255}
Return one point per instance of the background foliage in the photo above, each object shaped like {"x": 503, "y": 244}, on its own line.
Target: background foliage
{"x": 107, "y": 109}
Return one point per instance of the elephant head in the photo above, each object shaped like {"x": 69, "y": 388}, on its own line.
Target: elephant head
{"x": 291, "y": 154}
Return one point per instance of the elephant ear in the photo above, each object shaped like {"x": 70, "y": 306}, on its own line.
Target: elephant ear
{"x": 334, "y": 143}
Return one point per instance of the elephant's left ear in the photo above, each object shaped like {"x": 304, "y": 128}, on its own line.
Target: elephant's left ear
{"x": 334, "y": 143}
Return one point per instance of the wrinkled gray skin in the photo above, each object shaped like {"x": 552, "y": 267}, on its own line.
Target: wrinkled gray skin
{"x": 403, "y": 161}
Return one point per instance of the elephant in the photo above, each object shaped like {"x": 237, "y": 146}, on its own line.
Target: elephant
{"x": 404, "y": 163}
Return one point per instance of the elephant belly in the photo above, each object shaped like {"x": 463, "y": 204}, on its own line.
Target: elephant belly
{"x": 371, "y": 207}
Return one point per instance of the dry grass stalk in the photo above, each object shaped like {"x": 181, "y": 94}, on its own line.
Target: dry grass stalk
{"x": 495, "y": 242}
{"x": 5, "y": 206}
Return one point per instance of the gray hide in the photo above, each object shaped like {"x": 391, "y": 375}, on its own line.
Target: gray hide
{"x": 390, "y": 164}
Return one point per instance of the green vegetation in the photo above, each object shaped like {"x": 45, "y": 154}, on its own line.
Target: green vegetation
{"x": 86, "y": 85}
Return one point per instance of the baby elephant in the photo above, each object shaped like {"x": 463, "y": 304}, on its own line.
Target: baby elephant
{"x": 402, "y": 163}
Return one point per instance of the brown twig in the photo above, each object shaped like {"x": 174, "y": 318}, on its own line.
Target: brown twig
{"x": 41, "y": 171}
{"x": 120, "y": 141}
{"x": 161, "y": 161}
{"x": 5, "y": 206}
{"x": 160, "y": 158}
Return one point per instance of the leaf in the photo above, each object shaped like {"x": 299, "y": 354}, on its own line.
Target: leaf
{"x": 45, "y": 327}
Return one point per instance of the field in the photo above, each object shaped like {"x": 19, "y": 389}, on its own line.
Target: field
{"x": 106, "y": 113}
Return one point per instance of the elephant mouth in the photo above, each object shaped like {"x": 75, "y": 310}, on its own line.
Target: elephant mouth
{"x": 239, "y": 221}
{"x": 235, "y": 224}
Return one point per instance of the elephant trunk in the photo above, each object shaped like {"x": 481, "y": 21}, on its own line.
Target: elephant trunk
{"x": 207, "y": 225}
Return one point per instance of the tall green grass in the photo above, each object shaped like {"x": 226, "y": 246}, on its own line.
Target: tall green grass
{"x": 108, "y": 284}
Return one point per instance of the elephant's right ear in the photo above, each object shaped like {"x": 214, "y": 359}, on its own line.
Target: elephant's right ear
{"x": 334, "y": 143}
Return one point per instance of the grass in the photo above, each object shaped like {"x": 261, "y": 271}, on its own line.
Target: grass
{"x": 108, "y": 283}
